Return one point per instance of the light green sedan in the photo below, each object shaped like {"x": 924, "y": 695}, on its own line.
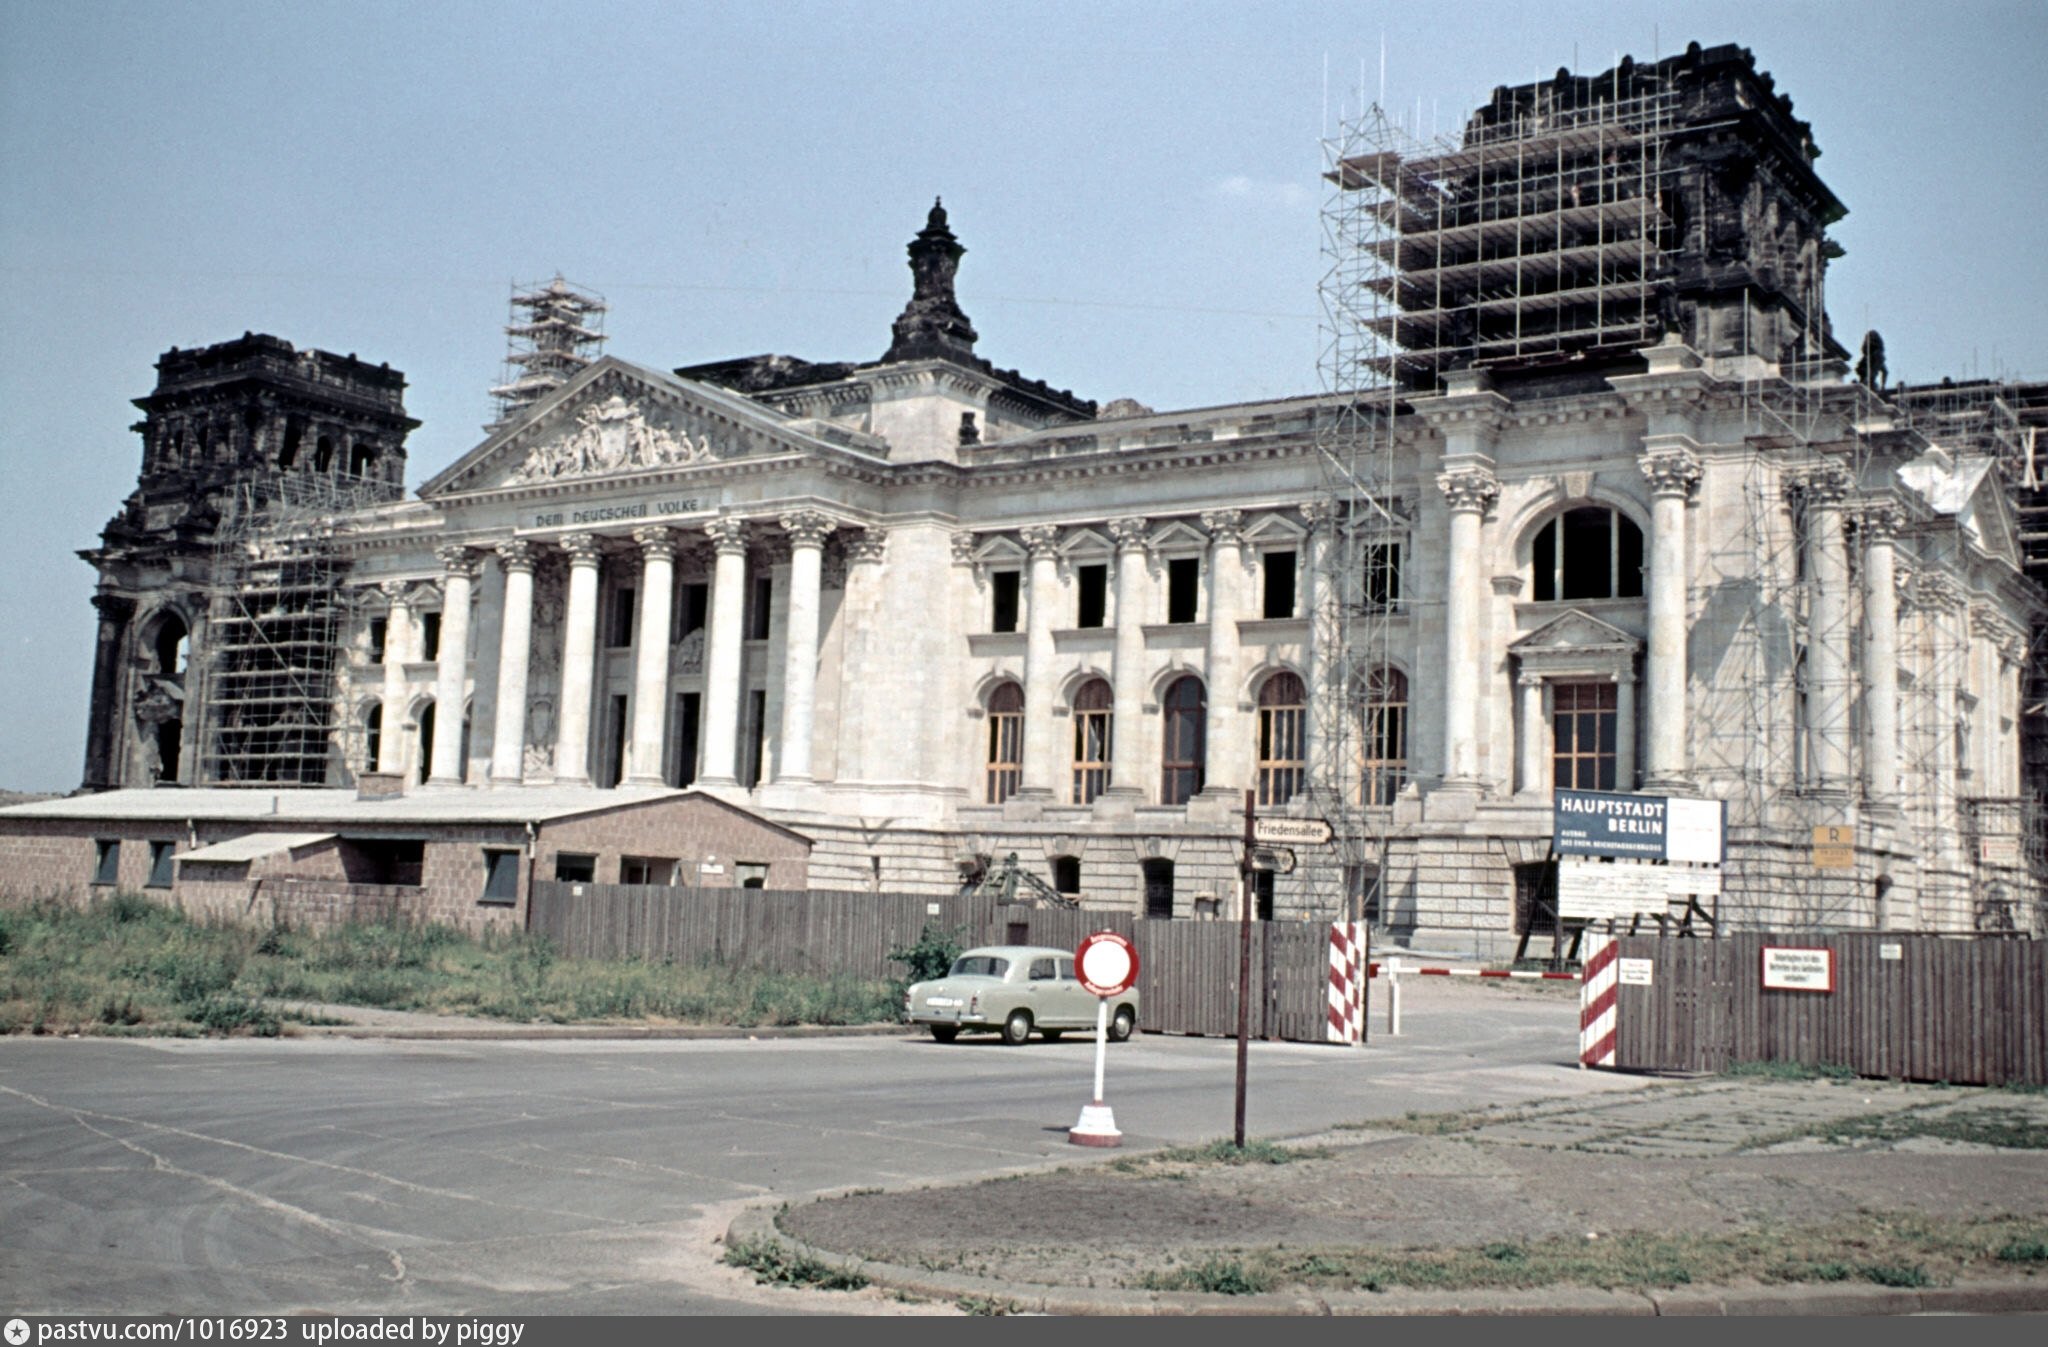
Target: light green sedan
{"x": 1012, "y": 990}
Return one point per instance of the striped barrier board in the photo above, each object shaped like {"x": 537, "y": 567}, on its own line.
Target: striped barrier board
{"x": 1596, "y": 1002}
{"x": 1481, "y": 973}
{"x": 1347, "y": 983}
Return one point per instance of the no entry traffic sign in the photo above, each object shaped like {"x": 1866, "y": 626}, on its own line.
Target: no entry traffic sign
{"x": 1106, "y": 963}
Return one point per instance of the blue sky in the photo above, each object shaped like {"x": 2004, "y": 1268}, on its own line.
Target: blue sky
{"x": 1136, "y": 185}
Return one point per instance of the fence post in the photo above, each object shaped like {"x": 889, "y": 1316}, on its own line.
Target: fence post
{"x": 1393, "y": 998}
{"x": 1597, "y": 994}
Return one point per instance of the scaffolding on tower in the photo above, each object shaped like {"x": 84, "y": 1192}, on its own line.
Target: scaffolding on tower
{"x": 556, "y": 329}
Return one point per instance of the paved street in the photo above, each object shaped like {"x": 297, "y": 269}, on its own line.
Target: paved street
{"x": 589, "y": 1177}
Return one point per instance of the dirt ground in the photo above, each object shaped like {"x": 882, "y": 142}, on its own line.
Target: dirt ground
{"x": 1702, "y": 1157}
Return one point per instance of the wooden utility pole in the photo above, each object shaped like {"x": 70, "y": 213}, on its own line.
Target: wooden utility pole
{"x": 1244, "y": 962}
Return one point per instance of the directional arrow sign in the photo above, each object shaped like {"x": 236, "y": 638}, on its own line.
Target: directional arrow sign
{"x": 1280, "y": 860}
{"x": 1291, "y": 832}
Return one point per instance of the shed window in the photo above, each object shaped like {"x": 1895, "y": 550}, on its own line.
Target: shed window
{"x": 571, "y": 868}
{"x": 647, "y": 870}
{"x": 501, "y": 876}
{"x": 750, "y": 874}
{"x": 162, "y": 863}
{"x": 106, "y": 860}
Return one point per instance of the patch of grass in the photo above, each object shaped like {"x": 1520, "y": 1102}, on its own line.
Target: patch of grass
{"x": 1222, "y": 1152}
{"x": 1216, "y": 1276}
{"x": 1886, "y": 1250}
{"x": 1790, "y": 1071}
{"x": 2005, "y": 1128}
{"x": 776, "y": 1264}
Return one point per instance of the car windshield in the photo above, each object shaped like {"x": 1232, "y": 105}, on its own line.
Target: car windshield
{"x": 980, "y": 965}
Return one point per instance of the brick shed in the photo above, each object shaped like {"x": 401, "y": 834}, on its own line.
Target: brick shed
{"x": 319, "y": 857}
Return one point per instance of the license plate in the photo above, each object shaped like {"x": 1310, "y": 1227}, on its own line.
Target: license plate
{"x": 941, "y": 1002}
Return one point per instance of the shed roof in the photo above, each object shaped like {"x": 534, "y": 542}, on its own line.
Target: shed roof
{"x": 253, "y": 846}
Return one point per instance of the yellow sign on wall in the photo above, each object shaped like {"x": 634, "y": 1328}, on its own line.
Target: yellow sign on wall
{"x": 1834, "y": 848}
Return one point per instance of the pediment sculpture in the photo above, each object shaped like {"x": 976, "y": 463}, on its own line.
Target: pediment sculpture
{"x": 613, "y": 436}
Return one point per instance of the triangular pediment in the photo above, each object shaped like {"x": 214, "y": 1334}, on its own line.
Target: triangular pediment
{"x": 617, "y": 419}
{"x": 1987, "y": 516}
{"x": 1573, "y": 631}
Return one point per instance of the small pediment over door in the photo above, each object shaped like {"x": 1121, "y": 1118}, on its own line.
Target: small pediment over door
{"x": 1577, "y": 644}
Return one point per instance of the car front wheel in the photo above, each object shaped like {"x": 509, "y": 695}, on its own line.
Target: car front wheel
{"x": 1017, "y": 1028}
{"x": 1121, "y": 1024}
{"x": 945, "y": 1033}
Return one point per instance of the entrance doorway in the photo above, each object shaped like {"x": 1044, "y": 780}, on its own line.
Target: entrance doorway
{"x": 1158, "y": 888}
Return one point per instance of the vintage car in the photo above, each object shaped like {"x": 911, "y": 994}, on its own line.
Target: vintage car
{"x": 1012, "y": 990}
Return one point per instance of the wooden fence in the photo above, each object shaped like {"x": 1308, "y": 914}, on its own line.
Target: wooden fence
{"x": 1909, "y": 1007}
{"x": 1187, "y": 975}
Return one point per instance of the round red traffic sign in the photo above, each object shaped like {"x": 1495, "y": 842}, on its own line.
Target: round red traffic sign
{"x": 1107, "y": 963}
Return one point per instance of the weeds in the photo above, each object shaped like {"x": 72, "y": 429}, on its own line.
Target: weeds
{"x": 775, "y": 1264}
{"x": 1791, "y": 1071}
{"x": 1220, "y": 1152}
{"x": 1215, "y": 1276}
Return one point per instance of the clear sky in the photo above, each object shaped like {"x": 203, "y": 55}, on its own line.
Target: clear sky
{"x": 1137, "y": 186}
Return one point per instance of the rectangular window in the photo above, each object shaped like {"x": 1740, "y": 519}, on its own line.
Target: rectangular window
{"x": 692, "y": 608}
{"x": 501, "y": 876}
{"x": 1005, "y": 766}
{"x": 1183, "y": 587}
{"x": 574, "y": 868}
{"x": 615, "y": 728}
{"x": 383, "y": 860}
{"x": 1385, "y": 765}
{"x": 430, "y": 636}
{"x": 761, "y": 609}
{"x": 1003, "y": 586}
{"x": 378, "y": 628}
{"x": 687, "y": 712}
{"x": 106, "y": 860}
{"x": 1093, "y": 585}
{"x": 162, "y": 864}
{"x": 757, "y": 737}
{"x": 620, "y": 634}
{"x": 750, "y": 874}
{"x": 659, "y": 870}
{"x": 1584, "y": 726}
{"x": 1278, "y": 568}
{"x": 1382, "y": 577}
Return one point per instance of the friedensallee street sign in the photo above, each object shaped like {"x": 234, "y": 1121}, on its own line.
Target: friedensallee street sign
{"x": 1291, "y": 832}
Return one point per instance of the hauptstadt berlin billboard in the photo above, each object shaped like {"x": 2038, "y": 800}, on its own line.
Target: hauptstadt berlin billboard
{"x": 1639, "y": 827}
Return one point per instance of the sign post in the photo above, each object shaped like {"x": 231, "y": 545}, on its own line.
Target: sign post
{"x": 1244, "y": 956}
{"x": 1107, "y": 965}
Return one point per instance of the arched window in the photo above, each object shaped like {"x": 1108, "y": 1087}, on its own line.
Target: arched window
{"x": 1184, "y": 753}
{"x": 171, "y": 646}
{"x": 1385, "y": 736}
{"x": 1592, "y": 552}
{"x": 1005, "y": 742}
{"x": 1283, "y": 762}
{"x": 373, "y": 735}
{"x": 426, "y": 719}
{"x": 323, "y": 454}
{"x": 1091, "y": 740}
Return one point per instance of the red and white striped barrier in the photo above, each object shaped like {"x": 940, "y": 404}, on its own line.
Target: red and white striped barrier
{"x": 1347, "y": 983}
{"x": 1596, "y": 1002}
{"x": 1395, "y": 970}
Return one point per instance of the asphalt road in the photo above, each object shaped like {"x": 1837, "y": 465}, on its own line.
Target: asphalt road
{"x": 537, "y": 1177}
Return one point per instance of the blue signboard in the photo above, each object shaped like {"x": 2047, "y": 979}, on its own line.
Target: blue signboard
{"x": 1640, "y": 827}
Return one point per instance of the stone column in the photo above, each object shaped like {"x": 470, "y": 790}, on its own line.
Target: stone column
{"x": 650, "y": 655}
{"x": 1041, "y": 745}
{"x": 1126, "y": 772}
{"x": 458, "y": 571}
{"x": 1625, "y": 732}
{"x": 398, "y": 643}
{"x": 1879, "y": 526}
{"x": 807, "y": 530}
{"x": 579, "y": 661}
{"x": 1469, "y": 491}
{"x": 1827, "y": 629}
{"x": 1228, "y": 760}
{"x": 1532, "y": 776}
{"x": 515, "y": 643}
{"x": 103, "y": 729}
{"x": 1942, "y": 605}
{"x": 1673, "y": 472}
{"x": 721, "y": 729}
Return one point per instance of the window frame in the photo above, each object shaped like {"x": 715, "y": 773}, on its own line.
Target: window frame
{"x": 620, "y": 614}
{"x": 1381, "y": 775}
{"x": 1189, "y": 566}
{"x": 1181, "y": 725}
{"x": 651, "y": 865}
{"x": 1005, "y": 602}
{"x": 1550, "y": 586}
{"x": 1380, "y": 574}
{"x": 106, "y": 860}
{"x": 498, "y": 862}
{"x": 1282, "y": 738}
{"x": 1091, "y": 595}
{"x": 1604, "y": 718}
{"x": 573, "y": 858}
{"x": 163, "y": 863}
{"x": 1271, "y": 575}
{"x": 1003, "y": 765}
{"x": 1094, "y": 717}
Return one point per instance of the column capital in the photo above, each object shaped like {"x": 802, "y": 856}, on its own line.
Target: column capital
{"x": 1040, "y": 540}
{"x": 866, "y": 545}
{"x": 1318, "y": 514}
{"x": 1825, "y": 483}
{"x": 728, "y": 534}
{"x": 807, "y": 528}
{"x": 457, "y": 560}
{"x": 656, "y": 542}
{"x": 1226, "y": 527}
{"x": 1471, "y": 488}
{"x": 516, "y": 554}
{"x": 963, "y": 544}
{"x": 1130, "y": 532}
{"x": 114, "y": 607}
{"x": 1880, "y": 519}
{"x": 395, "y": 592}
{"x": 1671, "y": 470}
{"x": 584, "y": 549}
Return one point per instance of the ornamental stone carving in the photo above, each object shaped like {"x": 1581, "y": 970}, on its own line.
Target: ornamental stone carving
{"x": 866, "y": 545}
{"x": 1469, "y": 489}
{"x": 1880, "y": 520}
{"x": 807, "y": 528}
{"x": 728, "y": 534}
{"x": 1040, "y": 540}
{"x": 655, "y": 542}
{"x": 456, "y": 560}
{"x": 1825, "y": 483}
{"x": 1671, "y": 471}
{"x": 773, "y": 551}
{"x": 1225, "y": 526}
{"x": 690, "y": 653}
{"x": 516, "y": 554}
{"x": 614, "y": 436}
{"x": 583, "y": 548}
{"x": 1318, "y": 514}
{"x": 1936, "y": 593}
{"x": 394, "y": 591}
{"x": 1130, "y": 532}
{"x": 963, "y": 545}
